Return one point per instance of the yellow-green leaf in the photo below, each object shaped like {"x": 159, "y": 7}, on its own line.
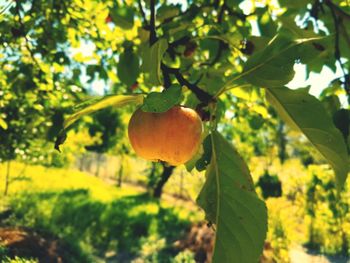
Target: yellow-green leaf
{"x": 93, "y": 106}
{"x": 230, "y": 202}
{"x": 3, "y": 124}
{"x": 114, "y": 100}
{"x": 151, "y": 60}
{"x": 305, "y": 113}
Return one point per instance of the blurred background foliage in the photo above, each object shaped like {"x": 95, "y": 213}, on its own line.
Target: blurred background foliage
{"x": 56, "y": 55}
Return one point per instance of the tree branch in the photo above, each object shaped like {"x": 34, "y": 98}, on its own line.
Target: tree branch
{"x": 337, "y": 9}
{"x": 221, "y": 13}
{"x": 24, "y": 34}
{"x": 221, "y": 43}
{"x": 180, "y": 41}
{"x": 166, "y": 76}
{"x": 6, "y": 8}
{"x": 143, "y": 15}
{"x": 337, "y": 21}
{"x": 202, "y": 95}
{"x": 153, "y": 34}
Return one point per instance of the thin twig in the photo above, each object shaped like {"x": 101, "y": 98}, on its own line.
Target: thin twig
{"x": 153, "y": 34}
{"x": 220, "y": 17}
{"x": 166, "y": 76}
{"x": 6, "y": 8}
{"x": 143, "y": 15}
{"x": 337, "y": 21}
{"x": 221, "y": 13}
{"x": 202, "y": 95}
{"x": 221, "y": 43}
{"x": 338, "y": 10}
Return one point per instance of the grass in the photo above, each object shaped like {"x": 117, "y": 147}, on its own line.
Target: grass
{"x": 97, "y": 220}
{"x": 41, "y": 179}
{"x": 102, "y": 223}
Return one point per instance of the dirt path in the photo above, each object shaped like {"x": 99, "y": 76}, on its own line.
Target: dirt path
{"x": 299, "y": 254}
{"x": 27, "y": 243}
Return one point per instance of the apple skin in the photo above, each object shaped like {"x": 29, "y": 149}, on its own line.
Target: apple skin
{"x": 173, "y": 136}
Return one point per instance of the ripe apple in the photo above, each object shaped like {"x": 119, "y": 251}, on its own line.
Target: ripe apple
{"x": 172, "y": 136}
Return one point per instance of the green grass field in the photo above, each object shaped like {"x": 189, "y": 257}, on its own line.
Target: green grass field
{"x": 96, "y": 220}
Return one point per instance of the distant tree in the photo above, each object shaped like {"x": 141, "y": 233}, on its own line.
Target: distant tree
{"x": 106, "y": 124}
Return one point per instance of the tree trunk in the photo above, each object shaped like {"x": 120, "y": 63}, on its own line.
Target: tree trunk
{"x": 7, "y": 179}
{"x": 99, "y": 156}
{"x": 282, "y": 142}
{"x": 120, "y": 173}
{"x": 151, "y": 178}
{"x": 167, "y": 172}
{"x": 81, "y": 166}
{"x": 181, "y": 185}
{"x": 345, "y": 243}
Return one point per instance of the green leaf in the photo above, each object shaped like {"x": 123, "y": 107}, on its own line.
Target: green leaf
{"x": 229, "y": 201}
{"x": 315, "y": 53}
{"x": 204, "y": 160}
{"x": 256, "y": 43}
{"x": 128, "y": 68}
{"x": 91, "y": 70}
{"x": 256, "y": 121}
{"x": 233, "y": 3}
{"x": 3, "y": 124}
{"x": 143, "y": 34}
{"x": 292, "y": 30}
{"x": 211, "y": 83}
{"x": 111, "y": 100}
{"x": 305, "y": 113}
{"x": 162, "y": 101}
{"x": 151, "y": 60}
{"x": 122, "y": 16}
{"x": 192, "y": 163}
{"x": 273, "y": 66}
{"x": 294, "y": 4}
{"x": 165, "y": 12}
{"x": 331, "y": 103}
{"x": 341, "y": 120}
{"x": 107, "y": 101}
{"x": 266, "y": 24}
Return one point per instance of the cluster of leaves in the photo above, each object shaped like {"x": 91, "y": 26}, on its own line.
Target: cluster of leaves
{"x": 201, "y": 53}
{"x": 95, "y": 218}
{"x": 324, "y": 204}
